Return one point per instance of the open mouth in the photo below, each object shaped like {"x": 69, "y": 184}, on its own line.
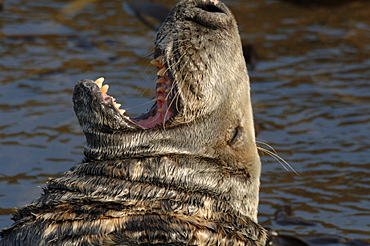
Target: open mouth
{"x": 161, "y": 111}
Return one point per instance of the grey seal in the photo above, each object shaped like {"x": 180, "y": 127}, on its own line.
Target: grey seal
{"x": 184, "y": 173}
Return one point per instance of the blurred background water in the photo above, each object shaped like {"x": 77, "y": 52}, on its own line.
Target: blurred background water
{"x": 310, "y": 91}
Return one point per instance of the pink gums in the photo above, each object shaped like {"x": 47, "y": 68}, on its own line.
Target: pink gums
{"x": 163, "y": 111}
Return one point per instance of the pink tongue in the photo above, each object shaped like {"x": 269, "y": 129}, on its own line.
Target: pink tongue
{"x": 157, "y": 119}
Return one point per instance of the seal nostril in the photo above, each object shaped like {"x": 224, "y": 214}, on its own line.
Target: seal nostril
{"x": 211, "y": 8}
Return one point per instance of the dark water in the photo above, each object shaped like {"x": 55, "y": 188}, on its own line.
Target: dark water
{"x": 310, "y": 90}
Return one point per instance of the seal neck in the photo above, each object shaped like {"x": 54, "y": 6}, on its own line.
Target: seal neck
{"x": 144, "y": 143}
{"x": 196, "y": 141}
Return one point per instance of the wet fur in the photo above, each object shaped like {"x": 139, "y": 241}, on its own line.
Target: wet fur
{"x": 193, "y": 181}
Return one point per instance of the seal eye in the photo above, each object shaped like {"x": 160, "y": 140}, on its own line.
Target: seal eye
{"x": 234, "y": 138}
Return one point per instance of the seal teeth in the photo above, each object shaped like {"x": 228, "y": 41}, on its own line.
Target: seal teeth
{"x": 161, "y": 99}
{"x": 167, "y": 90}
{"x": 161, "y": 72}
{"x": 161, "y": 81}
{"x": 158, "y": 62}
{"x": 104, "y": 89}
{"x": 160, "y": 89}
{"x": 99, "y": 81}
{"x": 160, "y": 110}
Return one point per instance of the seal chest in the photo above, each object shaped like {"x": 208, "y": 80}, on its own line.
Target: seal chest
{"x": 184, "y": 173}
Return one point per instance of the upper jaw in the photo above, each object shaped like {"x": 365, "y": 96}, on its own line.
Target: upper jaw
{"x": 165, "y": 106}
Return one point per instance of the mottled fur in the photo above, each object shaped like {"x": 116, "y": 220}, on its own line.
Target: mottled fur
{"x": 192, "y": 181}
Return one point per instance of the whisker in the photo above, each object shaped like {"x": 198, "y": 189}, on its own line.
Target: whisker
{"x": 274, "y": 155}
{"x": 172, "y": 66}
{"x": 266, "y": 144}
